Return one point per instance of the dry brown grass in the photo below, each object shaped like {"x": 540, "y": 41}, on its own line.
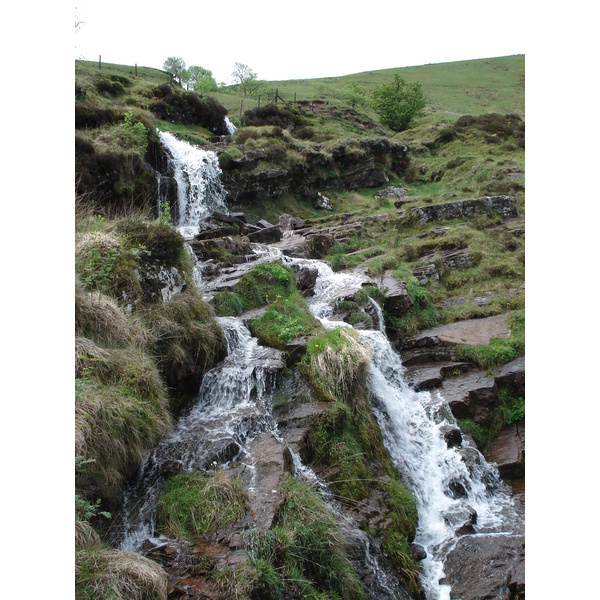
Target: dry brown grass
{"x": 85, "y": 535}
{"x": 106, "y": 573}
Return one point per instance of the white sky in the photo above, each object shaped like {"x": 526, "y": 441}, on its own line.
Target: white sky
{"x": 295, "y": 40}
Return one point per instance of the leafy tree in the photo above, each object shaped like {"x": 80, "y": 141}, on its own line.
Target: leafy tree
{"x": 398, "y": 103}
{"x": 245, "y": 78}
{"x": 175, "y": 66}
{"x": 201, "y": 80}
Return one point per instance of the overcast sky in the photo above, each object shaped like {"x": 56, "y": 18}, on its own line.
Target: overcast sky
{"x": 296, "y": 40}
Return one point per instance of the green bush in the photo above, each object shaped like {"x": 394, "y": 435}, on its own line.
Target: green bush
{"x": 197, "y": 503}
{"x": 398, "y": 103}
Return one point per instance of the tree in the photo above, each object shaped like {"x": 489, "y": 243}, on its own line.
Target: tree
{"x": 398, "y": 103}
{"x": 175, "y": 66}
{"x": 201, "y": 80}
{"x": 245, "y": 77}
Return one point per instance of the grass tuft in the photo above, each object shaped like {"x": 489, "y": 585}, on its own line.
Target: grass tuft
{"x": 197, "y": 503}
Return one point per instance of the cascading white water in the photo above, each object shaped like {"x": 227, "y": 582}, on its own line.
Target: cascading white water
{"x": 231, "y": 128}
{"x": 412, "y": 424}
{"x": 232, "y": 405}
{"x": 199, "y": 187}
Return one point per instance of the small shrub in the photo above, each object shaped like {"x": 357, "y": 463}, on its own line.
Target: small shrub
{"x": 196, "y": 503}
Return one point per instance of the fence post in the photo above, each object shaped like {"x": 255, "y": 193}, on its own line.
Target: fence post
{"x": 294, "y": 96}
{"x": 136, "y": 69}
{"x": 241, "y": 105}
{"x": 259, "y": 102}
{"x": 276, "y": 94}
{"x": 100, "y": 62}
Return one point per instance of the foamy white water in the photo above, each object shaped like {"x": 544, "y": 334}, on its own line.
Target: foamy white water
{"x": 199, "y": 187}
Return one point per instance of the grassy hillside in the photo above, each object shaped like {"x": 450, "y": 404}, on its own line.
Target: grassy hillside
{"x": 452, "y": 89}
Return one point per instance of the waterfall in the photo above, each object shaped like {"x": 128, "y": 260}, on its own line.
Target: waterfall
{"x": 412, "y": 424}
{"x": 233, "y": 405}
{"x": 231, "y": 128}
{"x": 199, "y": 187}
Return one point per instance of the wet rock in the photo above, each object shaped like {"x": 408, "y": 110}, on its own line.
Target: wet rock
{"x": 398, "y": 301}
{"x": 306, "y": 278}
{"x": 507, "y": 450}
{"x": 289, "y": 223}
{"x": 483, "y": 567}
{"x": 294, "y": 246}
{"x": 418, "y": 552}
{"x": 452, "y": 435}
{"x": 423, "y": 376}
{"x": 266, "y": 235}
{"x": 462, "y": 520}
{"x": 471, "y": 396}
{"x": 512, "y": 376}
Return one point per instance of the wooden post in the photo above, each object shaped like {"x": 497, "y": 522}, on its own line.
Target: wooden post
{"x": 294, "y": 96}
{"x": 259, "y": 102}
{"x": 241, "y": 105}
{"x": 276, "y": 95}
{"x": 100, "y": 63}
{"x": 136, "y": 69}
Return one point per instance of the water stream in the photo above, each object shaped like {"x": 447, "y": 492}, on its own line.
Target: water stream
{"x": 234, "y": 404}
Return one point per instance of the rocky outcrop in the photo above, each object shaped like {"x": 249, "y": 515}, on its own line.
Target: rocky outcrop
{"x": 398, "y": 301}
{"x": 506, "y": 206}
{"x": 347, "y": 166}
{"x": 508, "y": 451}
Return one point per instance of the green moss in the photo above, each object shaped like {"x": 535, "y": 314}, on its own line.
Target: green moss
{"x": 264, "y": 284}
{"x": 286, "y": 319}
{"x": 197, "y": 503}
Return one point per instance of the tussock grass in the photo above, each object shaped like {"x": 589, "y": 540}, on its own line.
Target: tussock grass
{"x": 197, "y": 503}
{"x": 121, "y": 410}
{"x": 85, "y": 535}
{"x": 99, "y": 317}
{"x": 105, "y": 573}
{"x": 184, "y": 338}
{"x": 336, "y": 364}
